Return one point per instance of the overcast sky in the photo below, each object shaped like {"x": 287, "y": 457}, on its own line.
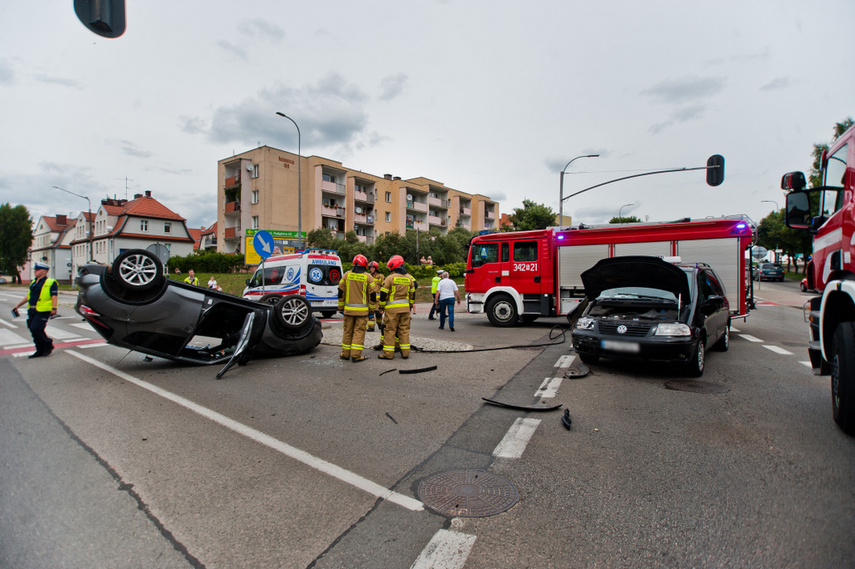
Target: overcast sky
{"x": 491, "y": 97}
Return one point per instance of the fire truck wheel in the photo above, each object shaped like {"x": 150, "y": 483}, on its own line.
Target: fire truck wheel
{"x": 843, "y": 377}
{"x": 695, "y": 365}
{"x": 502, "y": 311}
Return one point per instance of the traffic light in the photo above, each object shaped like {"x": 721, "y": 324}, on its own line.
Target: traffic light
{"x": 715, "y": 170}
{"x": 103, "y": 17}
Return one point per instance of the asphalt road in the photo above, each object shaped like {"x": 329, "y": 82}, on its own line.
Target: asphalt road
{"x": 113, "y": 461}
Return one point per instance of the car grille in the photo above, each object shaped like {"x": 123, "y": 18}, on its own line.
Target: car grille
{"x": 632, "y": 330}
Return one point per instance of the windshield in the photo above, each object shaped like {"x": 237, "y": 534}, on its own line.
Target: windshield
{"x": 637, "y": 293}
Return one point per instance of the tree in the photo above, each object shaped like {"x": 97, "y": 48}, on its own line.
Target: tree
{"x": 818, "y": 149}
{"x": 15, "y": 238}
{"x": 532, "y": 216}
{"x": 630, "y": 219}
{"x": 773, "y": 234}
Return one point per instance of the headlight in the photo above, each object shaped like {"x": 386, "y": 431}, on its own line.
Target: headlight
{"x": 585, "y": 323}
{"x": 672, "y": 329}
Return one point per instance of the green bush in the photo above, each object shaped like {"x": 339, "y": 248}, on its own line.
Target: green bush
{"x": 208, "y": 262}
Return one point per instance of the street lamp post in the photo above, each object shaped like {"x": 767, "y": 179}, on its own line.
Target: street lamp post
{"x": 771, "y": 201}
{"x": 299, "y": 184}
{"x": 561, "y": 187}
{"x": 620, "y": 214}
{"x": 88, "y": 217}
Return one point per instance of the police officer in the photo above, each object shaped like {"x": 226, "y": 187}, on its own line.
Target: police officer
{"x": 192, "y": 278}
{"x": 376, "y": 282}
{"x": 355, "y": 300}
{"x": 397, "y": 297}
{"x": 42, "y": 299}
{"x": 434, "y": 308}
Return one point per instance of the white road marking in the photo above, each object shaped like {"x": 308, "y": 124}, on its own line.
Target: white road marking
{"x": 565, "y": 361}
{"x": 9, "y": 338}
{"x": 807, "y": 364}
{"x": 98, "y": 345}
{"x": 447, "y": 549}
{"x": 732, "y": 329}
{"x": 549, "y": 387}
{"x": 309, "y": 460}
{"x": 778, "y": 350}
{"x": 55, "y": 333}
{"x": 82, "y": 325}
{"x": 516, "y": 439}
{"x": 9, "y": 324}
{"x": 751, "y": 338}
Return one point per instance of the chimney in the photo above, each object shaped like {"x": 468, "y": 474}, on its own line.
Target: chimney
{"x": 137, "y": 196}
{"x": 387, "y": 176}
{"x": 61, "y": 220}
{"x": 148, "y": 193}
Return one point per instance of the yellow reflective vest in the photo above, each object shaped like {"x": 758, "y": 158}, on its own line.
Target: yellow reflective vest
{"x": 400, "y": 293}
{"x": 356, "y": 295}
{"x": 44, "y": 302}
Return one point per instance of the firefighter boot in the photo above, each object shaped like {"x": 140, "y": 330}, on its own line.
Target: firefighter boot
{"x": 345, "y": 354}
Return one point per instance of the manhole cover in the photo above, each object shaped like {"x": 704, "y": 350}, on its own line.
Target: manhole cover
{"x": 468, "y": 493}
{"x": 695, "y": 386}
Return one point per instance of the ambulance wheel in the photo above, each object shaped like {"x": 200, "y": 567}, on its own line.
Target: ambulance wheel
{"x": 292, "y": 311}
{"x": 843, "y": 377}
{"x": 138, "y": 270}
{"x": 502, "y": 311}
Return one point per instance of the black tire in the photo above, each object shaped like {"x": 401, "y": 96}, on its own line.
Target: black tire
{"x": 589, "y": 358}
{"x": 723, "y": 343}
{"x": 843, "y": 377}
{"x": 695, "y": 365}
{"x": 292, "y": 312}
{"x": 138, "y": 270}
{"x": 502, "y": 311}
{"x": 803, "y": 287}
{"x": 270, "y": 298}
{"x": 328, "y": 313}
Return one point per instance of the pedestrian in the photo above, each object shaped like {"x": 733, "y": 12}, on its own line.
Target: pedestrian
{"x": 191, "y": 278}
{"x": 42, "y": 300}
{"x": 397, "y": 298}
{"x": 356, "y": 301}
{"x": 376, "y": 278}
{"x": 447, "y": 292}
{"x": 434, "y": 308}
{"x": 212, "y": 283}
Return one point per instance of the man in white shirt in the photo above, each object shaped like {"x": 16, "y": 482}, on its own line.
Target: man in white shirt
{"x": 446, "y": 293}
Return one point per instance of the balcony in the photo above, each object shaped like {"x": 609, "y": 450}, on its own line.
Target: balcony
{"x": 490, "y": 214}
{"x": 332, "y": 211}
{"x": 365, "y": 239}
{"x": 417, "y": 206}
{"x": 233, "y": 181}
{"x": 232, "y": 232}
{"x": 363, "y": 196}
{"x": 437, "y": 202}
{"x": 363, "y": 218}
{"x": 333, "y": 188}
{"x": 467, "y": 211}
{"x": 434, "y": 220}
{"x": 419, "y": 225}
{"x": 231, "y": 207}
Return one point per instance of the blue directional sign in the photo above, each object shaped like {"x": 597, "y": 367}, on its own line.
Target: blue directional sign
{"x": 263, "y": 243}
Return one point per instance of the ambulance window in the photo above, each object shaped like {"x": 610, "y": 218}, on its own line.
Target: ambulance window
{"x": 525, "y": 251}
{"x": 486, "y": 253}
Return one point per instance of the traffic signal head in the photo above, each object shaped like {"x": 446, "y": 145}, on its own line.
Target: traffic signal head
{"x": 715, "y": 170}
{"x": 103, "y": 17}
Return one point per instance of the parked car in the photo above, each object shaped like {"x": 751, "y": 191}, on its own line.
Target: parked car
{"x": 133, "y": 305}
{"x": 644, "y": 308}
{"x": 3, "y": 280}
{"x": 769, "y": 272}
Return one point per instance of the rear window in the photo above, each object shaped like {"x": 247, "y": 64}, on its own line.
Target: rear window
{"x": 324, "y": 275}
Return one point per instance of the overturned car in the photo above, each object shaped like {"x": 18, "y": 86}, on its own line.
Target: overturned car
{"x": 133, "y": 305}
{"x": 645, "y": 308}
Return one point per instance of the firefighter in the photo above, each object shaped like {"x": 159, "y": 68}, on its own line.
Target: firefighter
{"x": 376, "y": 283}
{"x": 356, "y": 301}
{"x": 397, "y": 297}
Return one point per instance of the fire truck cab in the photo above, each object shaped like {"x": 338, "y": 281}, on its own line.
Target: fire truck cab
{"x": 522, "y": 275}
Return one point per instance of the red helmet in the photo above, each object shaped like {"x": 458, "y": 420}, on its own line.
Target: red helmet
{"x": 373, "y": 265}
{"x": 360, "y": 260}
{"x": 395, "y": 262}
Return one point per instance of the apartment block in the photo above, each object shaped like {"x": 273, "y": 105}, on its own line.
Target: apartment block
{"x": 261, "y": 189}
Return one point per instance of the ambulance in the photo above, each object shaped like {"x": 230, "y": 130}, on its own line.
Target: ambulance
{"x": 314, "y": 274}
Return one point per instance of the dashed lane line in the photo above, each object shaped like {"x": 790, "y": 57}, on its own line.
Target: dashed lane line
{"x": 448, "y": 549}
{"x": 515, "y": 440}
{"x": 778, "y": 350}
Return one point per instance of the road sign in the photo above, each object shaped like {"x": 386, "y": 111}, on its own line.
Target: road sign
{"x": 263, "y": 243}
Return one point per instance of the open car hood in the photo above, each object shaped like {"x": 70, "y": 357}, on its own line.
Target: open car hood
{"x": 637, "y": 271}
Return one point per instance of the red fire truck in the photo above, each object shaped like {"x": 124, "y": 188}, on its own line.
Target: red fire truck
{"x": 518, "y": 276}
{"x": 828, "y": 212}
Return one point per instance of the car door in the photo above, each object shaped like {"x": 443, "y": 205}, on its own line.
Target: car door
{"x": 712, "y": 305}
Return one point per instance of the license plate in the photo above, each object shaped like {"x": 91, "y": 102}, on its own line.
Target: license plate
{"x": 626, "y": 347}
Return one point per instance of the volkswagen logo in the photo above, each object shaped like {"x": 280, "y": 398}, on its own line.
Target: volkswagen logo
{"x": 621, "y": 329}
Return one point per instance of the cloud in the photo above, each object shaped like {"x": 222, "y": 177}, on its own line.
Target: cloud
{"x": 392, "y": 86}
{"x": 236, "y": 51}
{"x": 777, "y": 84}
{"x": 682, "y": 91}
{"x": 129, "y": 148}
{"x": 330, "y": 112}
{"x": 262, "y": 29}
{"x": 7, "y": 74}
{"x": 556, "y": 165}
{"x": 602, "y": 214}
{"x": 57, "y": 81}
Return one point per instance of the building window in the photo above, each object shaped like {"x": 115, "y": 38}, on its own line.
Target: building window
{"x": 329, "y": 178}
{"x": 255, "y": 170}
{"x": 388, "y": 197}
{"x": 255, "y": 222}
{"x": 143, "y": 225}
{"x": 254, "y": 196}
{"x": 388, "y": 217}
{"x": 167, "y": 227}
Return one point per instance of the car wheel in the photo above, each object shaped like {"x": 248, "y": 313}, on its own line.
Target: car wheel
{"x": 803, "y": 287}
{"x": 292, "y": 311}
{"x": 695, "y": 365}
{"x": 138, "y": 269}
{"x": 843, "y": 377}
{"x": 589, "y": 358}
{"x": 724, "y": 342}
{"x": 502, "y": 311}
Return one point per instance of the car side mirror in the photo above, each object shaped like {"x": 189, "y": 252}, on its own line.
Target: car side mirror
{"x": 248, "y": 282}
